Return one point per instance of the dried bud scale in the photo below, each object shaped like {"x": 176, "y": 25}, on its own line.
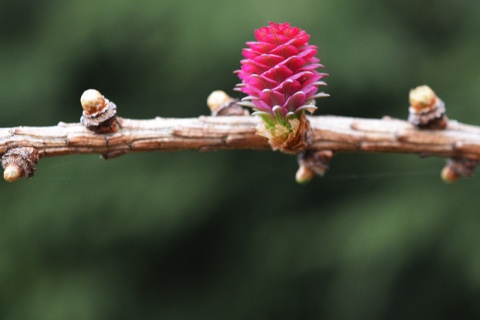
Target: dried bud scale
{"x": 221, "y": 104}
{"x": 279, "y": 75}
{"x": 427, "y": 110}
{"x": 19, "y": 163}
{"x": 293, "y": 139}
{"x": 99, "y": 114}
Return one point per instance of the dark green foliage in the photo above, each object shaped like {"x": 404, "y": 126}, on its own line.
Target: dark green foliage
{"x": 230, "y": 235}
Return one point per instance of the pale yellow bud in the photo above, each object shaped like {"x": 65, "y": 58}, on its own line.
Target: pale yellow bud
{"x": 422, "y": 98}
{"x": 304, "y": 174}
{"x": 12, "y": 173}
{"x": 449, "y": 175}
{"x": 92, "y": 101}
{"x": 216, "y": 99}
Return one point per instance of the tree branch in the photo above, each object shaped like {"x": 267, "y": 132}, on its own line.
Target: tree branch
{"x": 338, "y": 134}
{"x": 315, "y": 139}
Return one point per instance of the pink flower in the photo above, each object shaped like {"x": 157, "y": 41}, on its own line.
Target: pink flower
{"x": 279, "y": 74}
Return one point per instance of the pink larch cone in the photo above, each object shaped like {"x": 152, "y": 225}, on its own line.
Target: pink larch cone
{"x": 279, "y": 75}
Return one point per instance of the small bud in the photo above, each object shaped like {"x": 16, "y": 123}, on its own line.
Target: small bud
{"x": 312, "y": 162}
{"x": 304, "y": 174}
{"x": 92, "y": 101}
{"x": 216, "y": 99}
{"x": 98, "y": 112}
{"x": 426, "y": 110}
{"x": 19, "y": 163}
{"x": 449, "y": 175}
{"x": 221, "y": 104}
{"x": 458, "y": 167}
{"x": 12, "y": 173}
{"x": 422, "y": 98}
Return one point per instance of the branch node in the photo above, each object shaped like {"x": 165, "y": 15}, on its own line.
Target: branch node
{"x": 19, "y": 163}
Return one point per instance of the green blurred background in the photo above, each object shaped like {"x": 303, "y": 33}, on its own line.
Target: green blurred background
{"x": 229, "y": 234}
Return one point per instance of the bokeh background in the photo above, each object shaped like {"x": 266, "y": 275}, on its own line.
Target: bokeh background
{"x": 229, "y": 234}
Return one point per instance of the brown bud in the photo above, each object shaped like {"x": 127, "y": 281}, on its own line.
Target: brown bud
{"x": 19, "y": 163}
{"x": 98, "y": 112}
{"x": 458, "y": 167}
{"x": 221, "y": 104}
{"x": 426, "y": 110}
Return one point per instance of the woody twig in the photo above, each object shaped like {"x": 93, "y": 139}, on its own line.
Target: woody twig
{"x": 332, "y": 133}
